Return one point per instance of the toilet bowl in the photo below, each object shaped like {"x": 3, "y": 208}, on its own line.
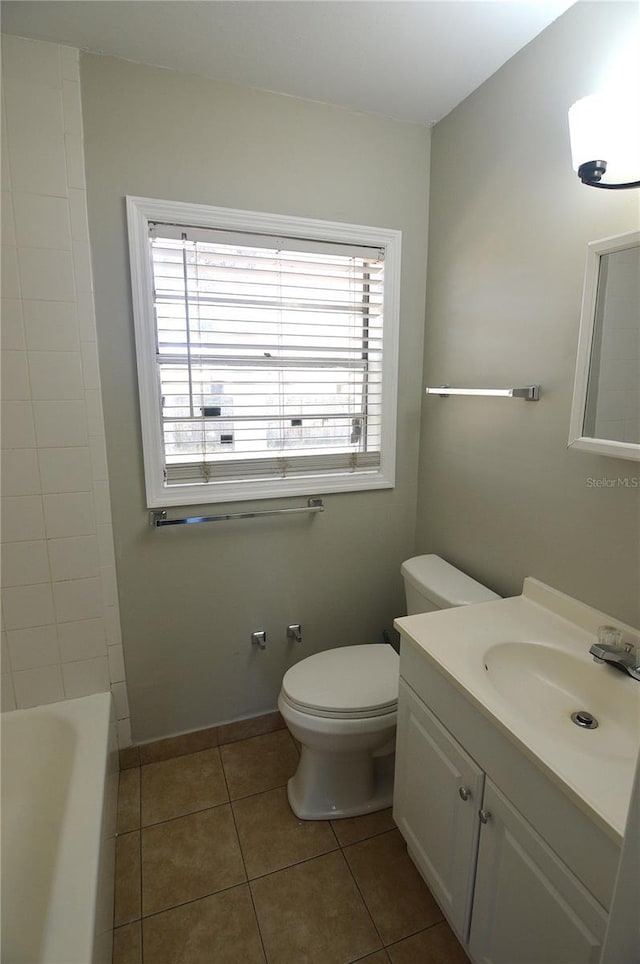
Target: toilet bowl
{"x": 341, "y": 706}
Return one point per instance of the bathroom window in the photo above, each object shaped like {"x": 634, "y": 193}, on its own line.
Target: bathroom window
{"x": 267, "y": 352}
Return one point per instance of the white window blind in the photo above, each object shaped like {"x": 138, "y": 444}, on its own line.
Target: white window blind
{"x": 267, "y": 352}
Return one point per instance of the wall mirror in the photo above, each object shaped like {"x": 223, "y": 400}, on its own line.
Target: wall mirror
{"x": 605, "y": 415}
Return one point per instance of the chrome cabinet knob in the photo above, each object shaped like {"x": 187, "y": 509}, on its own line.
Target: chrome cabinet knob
{"x": 485, "y": 816}
{"x": 465, "y": 793}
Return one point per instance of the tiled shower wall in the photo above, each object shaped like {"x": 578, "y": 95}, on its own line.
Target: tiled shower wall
{"x": 61, "y": 624}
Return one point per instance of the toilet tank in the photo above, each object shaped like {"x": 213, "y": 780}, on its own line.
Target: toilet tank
{"x": 430, "y": 583}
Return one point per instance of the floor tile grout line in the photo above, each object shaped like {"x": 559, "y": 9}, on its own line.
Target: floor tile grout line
{"x": 257, "y": 793}
{"x": 407, "y": 936}
{"x": 141, "y": 889}
{"x": 369, "y": 836}
{"x": 214, "y": 806}
{"x": 140, "y": 858}
{"x": 181, "y": 816}
{"x": 337, "y": 847}
{"x": 383, "y": 950}
{"x": 231, "y": 800}
{"x": 258, "y": 736}
{"x": 255, "y": 736}
{"x": 362, "y": 898}
{"x": 218, "y": 747}
{"x": 213, "y": 746}
{"x": 264, "y": 789}
{"x": 248, "y": 880}
{"x": 178, "y": 756}
{"x": 233, "y": 817}
{"x": 227, "y": 802}
{"x": 185, "y": 903}
{"x": 335, "y": 835}
{"x": 295, "y": 863}
{"x": 306, "y": 861}
{"x": 329, "y": 824}
{"x": 155, "y": 823}
{"x": 235, "y": 824}
{"x": 257, "y": 920}
{"x": 422, "y": 930}
{"x": 247, "y": 883}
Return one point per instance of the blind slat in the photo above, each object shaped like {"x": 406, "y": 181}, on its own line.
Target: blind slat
{"x": 281, "y": 340}
{"x": 296, "y": 247}
{"x": 271, "y": 468}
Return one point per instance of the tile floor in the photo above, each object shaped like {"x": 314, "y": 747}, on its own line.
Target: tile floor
{"x": 212, "y": 867}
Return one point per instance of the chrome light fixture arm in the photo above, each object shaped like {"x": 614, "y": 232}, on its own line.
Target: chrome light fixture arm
{"x": 591, "y": 172}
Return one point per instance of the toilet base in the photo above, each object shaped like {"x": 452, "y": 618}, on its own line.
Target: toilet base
{"x": 330, "y": 787}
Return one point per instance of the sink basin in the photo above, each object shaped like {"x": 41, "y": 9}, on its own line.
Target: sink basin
{"x": 545, "y": 685}
{"x": 523, "y": 663}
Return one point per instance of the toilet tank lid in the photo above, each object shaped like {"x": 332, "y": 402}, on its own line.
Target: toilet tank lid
{"x": 443, "y": 584}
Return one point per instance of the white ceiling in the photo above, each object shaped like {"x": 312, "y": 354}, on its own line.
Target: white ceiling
{"x": 410, "y": 59}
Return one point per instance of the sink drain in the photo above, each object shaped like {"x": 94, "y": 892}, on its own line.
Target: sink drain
{"x": 584, "y": 719}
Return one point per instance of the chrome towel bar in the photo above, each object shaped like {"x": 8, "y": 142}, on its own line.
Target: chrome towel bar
{"x": 531, "y": 393}
{"x": 158, "y": 517}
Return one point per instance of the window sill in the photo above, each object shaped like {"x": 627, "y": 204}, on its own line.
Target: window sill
{"x": 209, "y": 493}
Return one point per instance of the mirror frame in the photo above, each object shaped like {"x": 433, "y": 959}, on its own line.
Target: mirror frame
{"x": 595, "y": 251}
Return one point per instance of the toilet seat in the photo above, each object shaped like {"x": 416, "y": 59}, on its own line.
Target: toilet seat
{"x": 351, "y": 682}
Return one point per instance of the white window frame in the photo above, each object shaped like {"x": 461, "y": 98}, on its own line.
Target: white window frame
{"x": 141, "y": 211}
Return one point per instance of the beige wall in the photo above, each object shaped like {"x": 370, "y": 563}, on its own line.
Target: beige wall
{"x": 61, "y": 627}
{"x": 191, "y": 596}
{"x": 499, "y": 493}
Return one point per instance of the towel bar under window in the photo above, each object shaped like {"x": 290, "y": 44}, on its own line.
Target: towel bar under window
{"x": 158, "y": 517}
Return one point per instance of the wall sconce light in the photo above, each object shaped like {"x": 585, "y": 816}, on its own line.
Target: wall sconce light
{"x": 604, "y": 127}
{"x": 605, "y": 139}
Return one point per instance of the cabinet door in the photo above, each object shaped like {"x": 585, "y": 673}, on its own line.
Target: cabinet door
{"x": 528, "y": 906}
{"x": 439, "y": 826}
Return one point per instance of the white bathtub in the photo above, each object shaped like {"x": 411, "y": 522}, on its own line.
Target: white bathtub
{"x": 59, "y": 787}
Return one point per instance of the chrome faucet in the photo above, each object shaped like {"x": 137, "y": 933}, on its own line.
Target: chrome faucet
{"x": 610, "y": 649}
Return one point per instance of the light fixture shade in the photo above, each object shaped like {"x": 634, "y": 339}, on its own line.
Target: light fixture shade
{"x": 605, "y": 128}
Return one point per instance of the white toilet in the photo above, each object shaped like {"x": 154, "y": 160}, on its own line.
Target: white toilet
{"x": 341, "y": 706}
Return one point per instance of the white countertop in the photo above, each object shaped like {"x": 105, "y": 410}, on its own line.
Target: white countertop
{"x": 595, "y": 767}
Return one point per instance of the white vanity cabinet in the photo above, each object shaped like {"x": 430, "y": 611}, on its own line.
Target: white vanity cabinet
{"x": 437, "y": 794}
{"x": 527, "y": 905}
{"x": 505, "y": 891}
